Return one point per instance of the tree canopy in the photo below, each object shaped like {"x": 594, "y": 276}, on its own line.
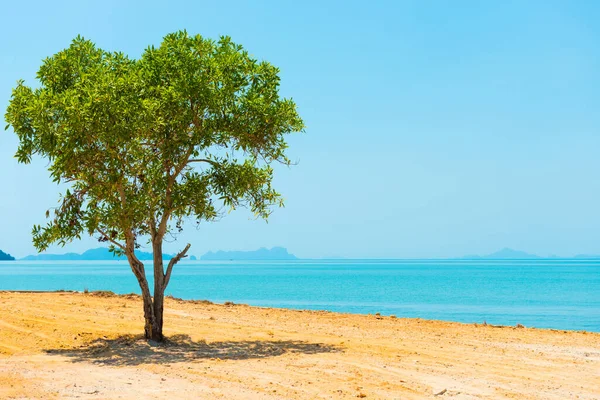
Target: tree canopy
{"x": 144, "y": 144}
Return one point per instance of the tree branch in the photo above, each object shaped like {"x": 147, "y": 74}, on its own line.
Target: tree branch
{"x": 183, "y": 163}
{"x": 211, "y": 162}
{"x": 134, "y": 262}
{"x": 152, "y": 225}
{"x": 171, "y": 179}
{"x": 162, "y": 228}
{"x": 172, "y": 262}
{"x": 122, "y": 195}
{"x": 119, "y": 245}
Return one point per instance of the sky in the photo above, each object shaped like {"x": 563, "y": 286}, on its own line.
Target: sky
{"x": 434, "y": 128}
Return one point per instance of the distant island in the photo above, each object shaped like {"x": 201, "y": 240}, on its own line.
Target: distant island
{"x": 99, "y": 254}
{"x": 587, "y": 256}
{"x": 276, "y": 253}
{"x": 5, "y": 256}
{"x": 507, "y": 254}
{"x": 102, "y": 254}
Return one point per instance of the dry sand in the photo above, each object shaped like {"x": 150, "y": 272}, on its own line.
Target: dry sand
{"x": 68, "y": 345}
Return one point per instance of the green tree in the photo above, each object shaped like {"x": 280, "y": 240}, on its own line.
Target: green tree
{"x": 188, "y": 129}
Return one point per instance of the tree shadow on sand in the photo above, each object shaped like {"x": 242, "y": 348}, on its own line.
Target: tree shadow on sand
{"x": 135, "y": 350}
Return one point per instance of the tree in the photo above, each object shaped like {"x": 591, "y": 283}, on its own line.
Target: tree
{"x": 191, "y": 127}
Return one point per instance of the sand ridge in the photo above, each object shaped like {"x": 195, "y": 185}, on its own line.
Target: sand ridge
{"x": 71, "y": 345}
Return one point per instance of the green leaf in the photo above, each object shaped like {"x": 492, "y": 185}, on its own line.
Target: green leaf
{"x": 188, "y": 128}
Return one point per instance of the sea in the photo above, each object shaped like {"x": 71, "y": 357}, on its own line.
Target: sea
{"x": 543, "y": 293}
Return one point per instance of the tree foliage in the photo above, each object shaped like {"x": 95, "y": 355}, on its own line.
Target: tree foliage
{"x": 145, "y": 144}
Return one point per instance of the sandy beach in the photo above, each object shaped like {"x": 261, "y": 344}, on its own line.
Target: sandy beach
{"x": 88, "y": 346}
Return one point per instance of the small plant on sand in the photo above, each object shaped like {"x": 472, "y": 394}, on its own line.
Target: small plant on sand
{"x": 191, "y": 127}
{"x": 103, "y": 293}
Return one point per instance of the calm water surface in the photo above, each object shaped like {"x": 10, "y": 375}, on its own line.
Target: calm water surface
{"x": 558, "y": 293}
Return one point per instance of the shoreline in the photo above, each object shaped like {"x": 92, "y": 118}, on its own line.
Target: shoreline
{"x": 67, "y": 345}
{"x": 108, "y": 293}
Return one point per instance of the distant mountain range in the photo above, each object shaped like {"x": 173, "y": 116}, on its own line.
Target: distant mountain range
{"x": 102, "y": 253}
{"x": 99, "y": 254}
{"x": 276, "y": 253}
{"x": 507, "y": 253}
{"x": 587, "y": 256}
{"x": 5, "y": 256}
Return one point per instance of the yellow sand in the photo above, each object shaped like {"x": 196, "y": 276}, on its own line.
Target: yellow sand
{"x": 66, "y": 345}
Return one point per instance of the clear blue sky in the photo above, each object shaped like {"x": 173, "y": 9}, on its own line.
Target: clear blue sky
{"x": 434, "y": 128}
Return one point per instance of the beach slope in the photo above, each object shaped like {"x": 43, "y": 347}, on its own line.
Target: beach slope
{"x": 87, "y": 346}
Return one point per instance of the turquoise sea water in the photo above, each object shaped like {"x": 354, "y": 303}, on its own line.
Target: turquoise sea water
{"x": 557, "y": 293}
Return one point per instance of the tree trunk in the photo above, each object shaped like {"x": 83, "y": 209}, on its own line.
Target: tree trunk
{"x": 159, "y": 290}
{"x": 152, "y": 325}
{"x": 153, "y": 306}
{"x": 149, "y": 320}
{"x": 157, "y": 327}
